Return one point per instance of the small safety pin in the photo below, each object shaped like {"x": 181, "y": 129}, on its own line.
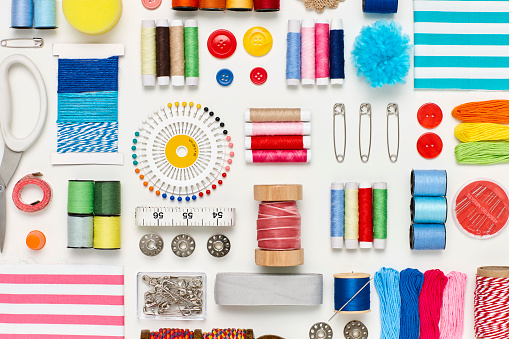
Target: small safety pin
{"x": 364, "y": 110}
{"x": 22, "y": 43}
{"x": 393, "y": 110}
{"x": 339, "y": 110}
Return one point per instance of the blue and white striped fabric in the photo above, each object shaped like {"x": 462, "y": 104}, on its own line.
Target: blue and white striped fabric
{"x": 461, "y": 44}
{"x": 87, "y": 137}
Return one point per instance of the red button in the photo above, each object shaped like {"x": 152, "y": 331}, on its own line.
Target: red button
{"x": 258, "y": 75}
{"x": 429, "y": 115}
{"x": 151, "y": 4}
{"x": 429, "y": 145}
{"x": 222, "y": 43}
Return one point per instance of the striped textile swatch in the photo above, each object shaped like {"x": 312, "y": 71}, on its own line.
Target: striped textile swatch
{"x": 99, "y": 137}
{"x": 461, "y": 44}
{"x": 61, "y": 301}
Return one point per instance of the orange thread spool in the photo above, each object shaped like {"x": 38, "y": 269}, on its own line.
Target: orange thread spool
{"x": 212, "y": 5}
{"x": 494, "y": 111}
{"x": 184, "y": 5}
{"x": 36, "y": 240}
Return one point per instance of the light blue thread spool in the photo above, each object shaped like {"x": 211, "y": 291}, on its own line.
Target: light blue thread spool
{"x": 337, "y": 214}
{"x": 293, "y": 50}
{"x": 45, "y": 16}
{"x": 427, "y": 237}
{"x": 80, "y": 231}
{"x": 22, "y": 13}
{"x": 428, "y": 210}
{"x": 429, "y": 183}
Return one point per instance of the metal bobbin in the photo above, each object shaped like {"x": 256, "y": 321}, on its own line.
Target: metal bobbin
{"x": 364, "y": 111}
{"x": 218, "y": 245}
{"x": 355, "y": 330}
{"x": 320, "y": 330}
{"x": 183, "y": 245}
{"x": 151, "y": 244}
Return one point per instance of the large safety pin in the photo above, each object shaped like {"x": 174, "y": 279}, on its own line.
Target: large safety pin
{"x": 22, "y": 43}
{"x": 364, "y": 110}
{"x": 393, "y": 110}
{"x": 339, "y": 110}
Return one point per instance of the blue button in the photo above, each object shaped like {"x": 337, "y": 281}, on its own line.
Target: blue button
{"x": 224, "y": 77}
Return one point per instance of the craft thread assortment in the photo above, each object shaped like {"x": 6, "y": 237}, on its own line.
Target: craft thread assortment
{"x": 230, "y": 5}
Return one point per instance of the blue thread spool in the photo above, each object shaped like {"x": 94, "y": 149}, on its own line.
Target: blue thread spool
{"x": 428, "y": 210}
{"x": 45, "y": 16}
{"x": 293, "y": 50}
{"x": 337, "y": 214}
{"x": 380, "y": 6}
{"x": 346, "y": 285}
{"x": 429, "y": 183}
{"x": 427, "y": 237}
{"x": 337, "y": 52}
{"x": 22, "y": 13}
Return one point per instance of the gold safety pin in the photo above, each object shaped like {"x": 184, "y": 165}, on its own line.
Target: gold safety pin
{"x": 22, "y": 43}
{"x": 339, "y": 110}
{"x": 393, "y": 110}
{"x": 364, "y": 110}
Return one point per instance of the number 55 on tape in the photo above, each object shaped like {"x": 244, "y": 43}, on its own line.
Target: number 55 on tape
{"x": 178, "y": 216}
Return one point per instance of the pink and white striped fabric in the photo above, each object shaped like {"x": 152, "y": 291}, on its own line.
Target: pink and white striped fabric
{"x": 61, "y": 301}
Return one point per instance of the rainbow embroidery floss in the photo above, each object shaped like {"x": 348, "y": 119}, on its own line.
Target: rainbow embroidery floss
{"x": 87, "y": 124}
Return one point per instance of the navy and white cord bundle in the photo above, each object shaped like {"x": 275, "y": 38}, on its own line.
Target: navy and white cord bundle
{"x": 428, "y": 209}
{"x": 40, "y": 14}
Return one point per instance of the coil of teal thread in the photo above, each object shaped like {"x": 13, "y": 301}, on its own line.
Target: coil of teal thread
{"x": 148, "y": 53}
{"x": 337, "y": 214}
{"x": 351, "y": 215}
{"x": 428, "y": 210}
{"x": 45, "y": 16}
{"x": 80, "y": 231}
{"x": 380, "y": 215}
{"x": 192, "y": 59}
{"x": 387, "y": 286}
{"x": 427, "y": 237}
{"x": 22, "y": 13}
{"x": 80, "y": 197}
{"x": 293, "y": 50}
{"x": 107, "y": 200}
{"x": 428, "y": 183}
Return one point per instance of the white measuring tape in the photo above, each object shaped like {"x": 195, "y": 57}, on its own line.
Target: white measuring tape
{"x": 179, "y": 216}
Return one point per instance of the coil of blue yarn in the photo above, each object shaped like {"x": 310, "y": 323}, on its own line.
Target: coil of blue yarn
{"x": 387, "y": 286}
{"x": 427, "y": 237}
{"x": 22, "y": 13}
{"x": 337, "y": 214}
{"x": 45, "y": 16}
{"x": 428, "y": 183}
{"x": 410, "y": 284}
{"x": 346, "y": 286}
{"x": 428, "y": 210}
{"x": 293, "y": 49}
{"x": 337, "y": 52}
{"x": 380, "y": 6}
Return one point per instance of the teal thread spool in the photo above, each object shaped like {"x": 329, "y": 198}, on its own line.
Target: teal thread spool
{"x": 192, "y": 64}
{"x": 107, "y": 198}
{"x": 80, "y": 231}
{"x": 380, "y": 215}
{"x": 80, "y": 197}
{"x": 45, "y": 16}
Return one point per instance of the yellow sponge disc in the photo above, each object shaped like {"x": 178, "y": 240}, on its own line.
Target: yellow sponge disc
{"x": 92, "y": 16}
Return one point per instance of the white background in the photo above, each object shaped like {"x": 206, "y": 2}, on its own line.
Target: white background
{"x": 135, "y": 103}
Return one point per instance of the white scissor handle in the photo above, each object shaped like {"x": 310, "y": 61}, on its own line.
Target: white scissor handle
{"x": 14, "y": 143}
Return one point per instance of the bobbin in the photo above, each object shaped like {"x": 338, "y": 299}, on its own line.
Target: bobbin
{"x": 218, "y": 245}
{"x": 151, "y": 244}
{"x": 355, "y": 329}
{"x": 183, "y": 245}
{"x": 320, "y": 330}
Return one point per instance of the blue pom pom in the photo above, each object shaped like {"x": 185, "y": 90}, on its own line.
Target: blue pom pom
{"x": 381, "y": 53}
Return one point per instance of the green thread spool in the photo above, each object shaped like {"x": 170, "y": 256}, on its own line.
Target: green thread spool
{"x": 107, "y": 198}
{"x": 107, "y": 233}
{"x": 380, "y": 215}
{"x": 192, "y": 60}
{"x": 80, "y": 197}
{"x": 482, "y": 153}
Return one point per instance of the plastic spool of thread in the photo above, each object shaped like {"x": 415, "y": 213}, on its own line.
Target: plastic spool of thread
{"x": 337, "y": 214}
{"x": 380, "y": 215}
{"x": 351, "y": 215}
{"x": 192, "y": 58}
{"x": 337, "y": 52}
{"x": 266, "y": 5}
{"x": 80, "y": 197}
{"x": 45, "y": 16}
{"x": 380, "y": 6}
{"x": 279, "y": 230}
{"x": 184, "y": 5}
{"x": 290, "y": 142}
{"x": 239, "y": 5}
{"x": 293, "y": 53}
{"x": 278, "y": 156}
{"x": 427, "y": 237}
{"x": 308, "y": 52}
{"x": 107, "y": 200}
{"x": 277, "y": 128}
{"x": 428, "y": 183}
{"x": 346, "y": 285}
{"x": 322, "y": 52}
{"x": 107, "y": 232}
{"x": 177, "y": 55}
{"x": 163, "y": 52}
{"x": 428, "y": 210}
{"x": 80, "y": 231}
{"x": 365, "y": 215}
{"x": 212, "y": 5}
{"x": 148, "y": 53}
{"x": 277, "y": 114}
{"x": 22, "y": 13}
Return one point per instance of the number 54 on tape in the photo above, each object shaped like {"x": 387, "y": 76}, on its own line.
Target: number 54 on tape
{"x": 178, "y": 216}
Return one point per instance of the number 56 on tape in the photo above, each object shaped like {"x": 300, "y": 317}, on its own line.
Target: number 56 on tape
{"x": 178, "y": 216}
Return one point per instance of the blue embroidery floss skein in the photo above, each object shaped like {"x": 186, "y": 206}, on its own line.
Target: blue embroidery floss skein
{"x": 337, "y": 214}
{"x": 387, "y": 286}
{"x": 22, "y": 13}
{"x": 410, "y": 284}
{"x": 346, "y": 286}
{"x": 337, "y": 52}
{"x": 293, "y": 50}
{"x": 380, "y": 6}
{"x": 45, "y": 16}
{"x": 428, "y": 183}
{"x": 427, "y": 237}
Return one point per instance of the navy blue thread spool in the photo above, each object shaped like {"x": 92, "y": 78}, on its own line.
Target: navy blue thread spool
{"x": 346, "y": 285}
{"x": 337, "y": 52}
{"x": 427, "y": 237}
{"x": 22, "y": 13}
{"x": 380, "y": 6}
{"x": 428, "y": 183}
{"x": 428, "y": 210}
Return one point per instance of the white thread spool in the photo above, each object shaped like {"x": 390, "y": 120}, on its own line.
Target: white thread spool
{"x": 351, "y": 215}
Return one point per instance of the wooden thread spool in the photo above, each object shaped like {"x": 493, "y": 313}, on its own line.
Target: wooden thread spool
{"x": 346, "y": 285}
{"x": 271, "y": 194}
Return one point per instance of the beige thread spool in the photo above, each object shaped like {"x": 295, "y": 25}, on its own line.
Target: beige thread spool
{"x": 277, "y": 114}
{"x": 177, "y": 57}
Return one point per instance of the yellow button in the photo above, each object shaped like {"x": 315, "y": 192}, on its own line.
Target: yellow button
{"x": 257, "y": 41}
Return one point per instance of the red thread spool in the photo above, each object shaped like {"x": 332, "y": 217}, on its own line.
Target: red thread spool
{"x": 278, "y": 142}
{"x": 184, "y": 5}
{"x": 266, "y": 5}
{"x": 212, "y": 5}
{"x": 365, "y": 215}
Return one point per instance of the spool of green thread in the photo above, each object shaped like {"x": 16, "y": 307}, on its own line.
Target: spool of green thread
{"x": 80, "y": 197}
{"x": 380, "y": 215}
{"x": 192, "y": 64}
{"x": 107, "y": 198}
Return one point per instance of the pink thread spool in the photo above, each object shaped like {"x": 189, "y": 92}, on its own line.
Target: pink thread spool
{"x": 308, "y": 52}
{"x": 278, "y": 128}
{"x": 278, "y": 156}
{"x": 322, "y": 52}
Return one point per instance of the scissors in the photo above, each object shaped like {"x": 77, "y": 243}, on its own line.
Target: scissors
{"x": 14, "y": 146}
